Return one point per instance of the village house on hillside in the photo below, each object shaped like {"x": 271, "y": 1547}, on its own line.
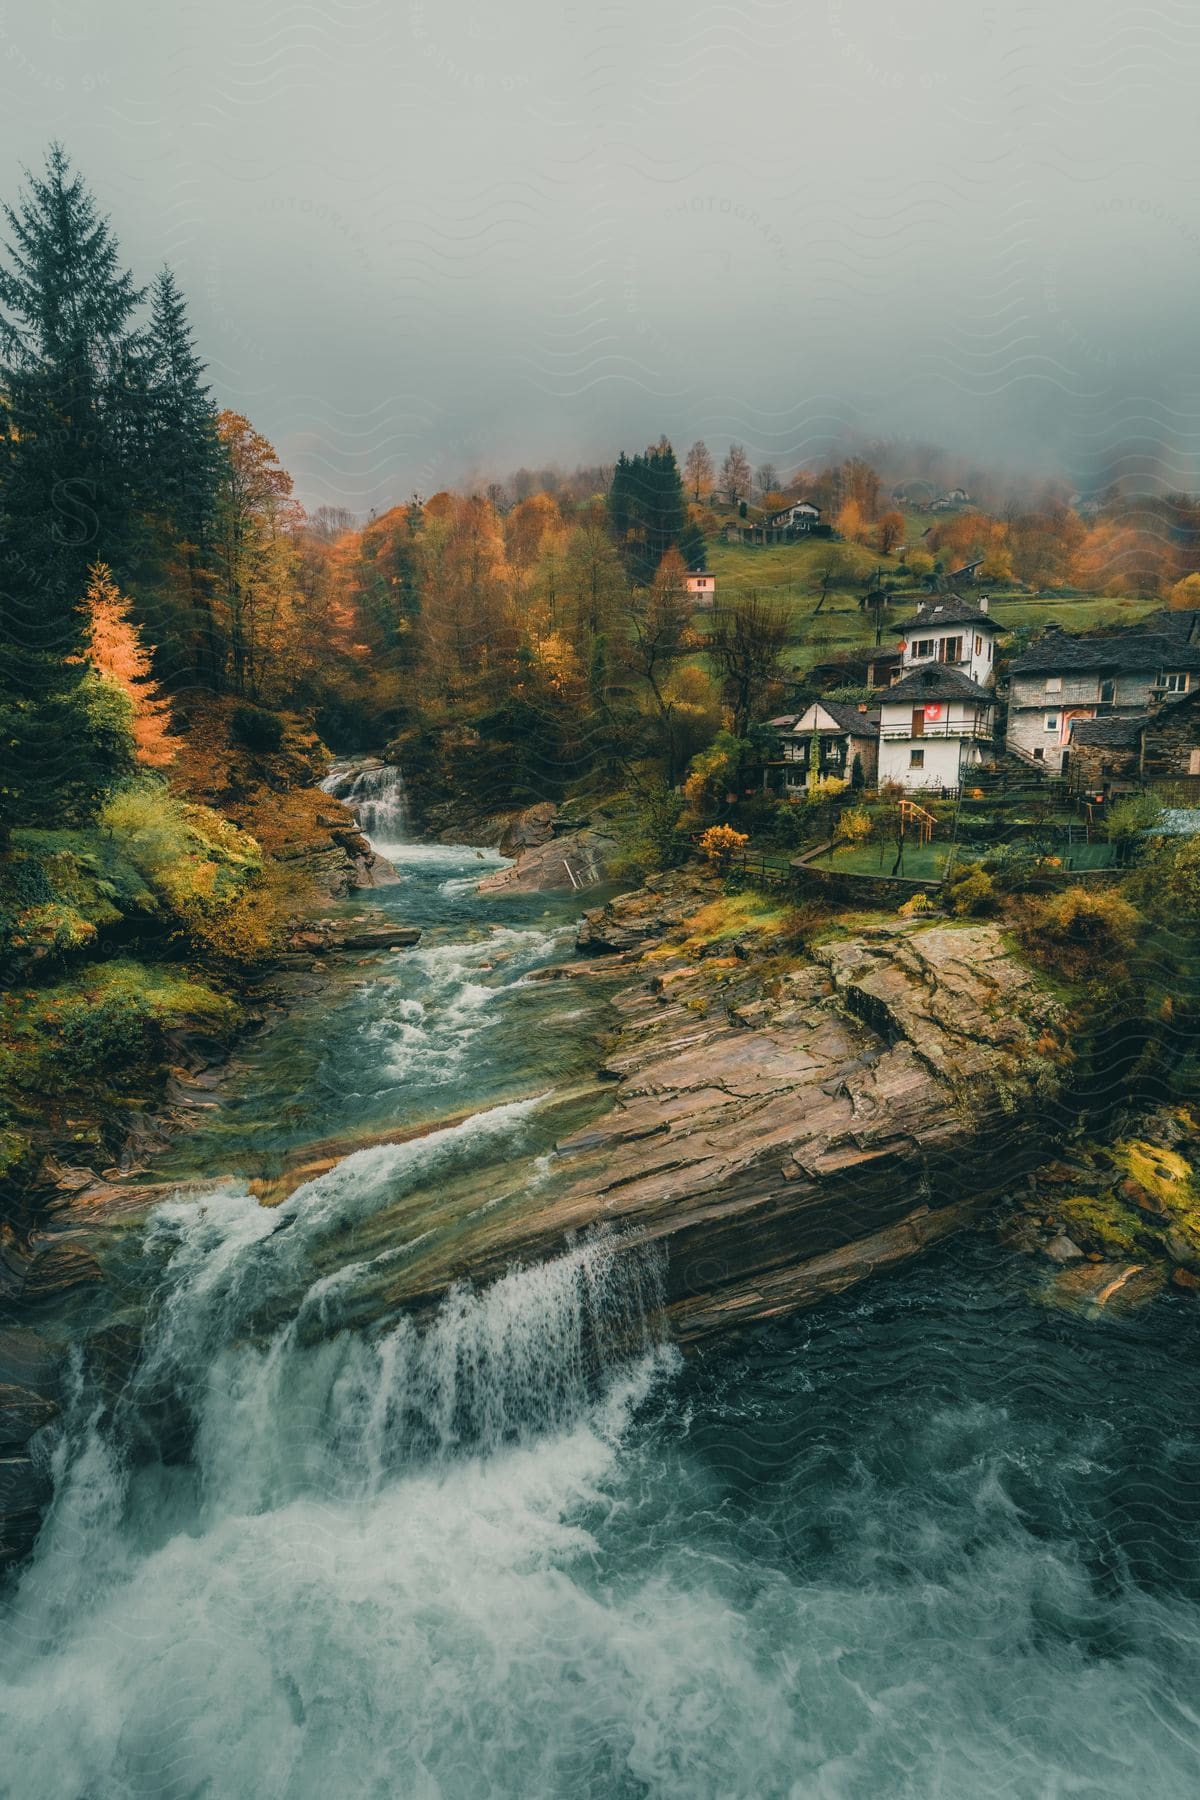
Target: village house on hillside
{"x": 1063, "y": 682}
{"x": 701, "y": 587}
{"x": 955, "y": 631}
{"x": 933, "y": 724}
{"x": 1163, "y": 742}
{"x": 800, "y": 516}
{"x": 843, "y": 731}
{"x": 796, "y": 520}
{"x": 938, "y": 718}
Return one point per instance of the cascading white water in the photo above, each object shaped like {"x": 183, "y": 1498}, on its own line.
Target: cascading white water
{"x": 374, "y": 792}
{"x": 350, "y": 1509}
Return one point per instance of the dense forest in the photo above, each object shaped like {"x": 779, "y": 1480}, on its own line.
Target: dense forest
{"x": 182, "y": 645}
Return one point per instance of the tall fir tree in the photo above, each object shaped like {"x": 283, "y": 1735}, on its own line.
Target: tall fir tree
{"x": 186, "y": 462}
{"x": 72, "y": 420}
{"x": 648, "y": 514}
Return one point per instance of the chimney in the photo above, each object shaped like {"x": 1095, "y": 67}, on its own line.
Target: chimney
{"x": 983, "y": 602}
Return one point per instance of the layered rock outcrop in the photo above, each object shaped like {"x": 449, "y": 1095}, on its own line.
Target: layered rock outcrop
{"x": 783, "y": 1125}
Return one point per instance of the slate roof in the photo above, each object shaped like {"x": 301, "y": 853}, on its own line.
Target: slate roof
{"x": 1111, "y": 733}
{"x": 935, "y": 681}
{"x": 1118, "y": 732}
{"x": 844, "y": 713}
{"x": 948, "y": 609}
{"x": 1056, "y": 653}
{"x": 1180, "y": 625}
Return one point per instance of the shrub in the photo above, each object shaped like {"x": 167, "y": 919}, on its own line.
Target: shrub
{"x": 102, "y": 1024}
{"x": 1126, "y": 823}
{"x": 714, "y": 772}
{"x": 650, "y": 837}
{"x": 720, "y": 842}
{"x": 855, "y": 826}
{"x": 206, "y": 877}
{"x": 256, "y": 729}
{"x": 915, "y": 905}
{"x": 971, "y": 890}
{"x": 1168, "y": 886}
{"x": 1083, "y": 934}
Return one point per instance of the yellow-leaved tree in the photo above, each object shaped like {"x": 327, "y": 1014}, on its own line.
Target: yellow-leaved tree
{"x": 117, "y": 653}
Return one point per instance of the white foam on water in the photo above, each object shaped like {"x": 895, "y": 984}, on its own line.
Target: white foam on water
{"x": 373, "y": 1561}
{"x": 375, "y": 795}
{"x": 428, "y": 1034}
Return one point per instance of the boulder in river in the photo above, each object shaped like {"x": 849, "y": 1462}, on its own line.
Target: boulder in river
{"x": 578, "y": 860}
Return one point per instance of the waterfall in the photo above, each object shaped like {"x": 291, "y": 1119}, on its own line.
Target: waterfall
{"x": 374, "y": 792}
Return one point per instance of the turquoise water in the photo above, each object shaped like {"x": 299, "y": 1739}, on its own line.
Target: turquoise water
{"x": 927, "y": 1540}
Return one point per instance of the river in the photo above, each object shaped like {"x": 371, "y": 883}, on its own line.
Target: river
{"x": 927, "y": 1539}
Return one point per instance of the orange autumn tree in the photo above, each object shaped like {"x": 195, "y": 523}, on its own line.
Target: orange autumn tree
{"x": 117, "y": 653}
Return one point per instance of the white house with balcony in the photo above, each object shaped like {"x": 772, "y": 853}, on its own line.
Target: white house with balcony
{"x": 961, "y": 633}
{"x": 933, "y": 725}
{"x": 799, "y": 515}
{"x": 939, "y": 717}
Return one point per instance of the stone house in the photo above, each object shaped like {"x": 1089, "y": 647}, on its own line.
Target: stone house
{"x": 1108, "y": 754}
{"x": 939, "y": 716}
{"x": 1062, "y": 682}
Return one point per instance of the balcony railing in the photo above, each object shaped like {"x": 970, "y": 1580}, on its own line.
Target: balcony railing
{"x": 937, "y": 728}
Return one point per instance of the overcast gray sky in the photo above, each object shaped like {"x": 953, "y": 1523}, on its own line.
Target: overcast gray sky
{"x": 427, "y": 239}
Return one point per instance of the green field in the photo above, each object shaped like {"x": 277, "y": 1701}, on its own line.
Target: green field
{"x": 791, "y": 573}
{"x": 922, "y": 862}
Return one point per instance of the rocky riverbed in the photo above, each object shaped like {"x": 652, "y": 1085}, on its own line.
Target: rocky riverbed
{"x": 785, "y": 1119}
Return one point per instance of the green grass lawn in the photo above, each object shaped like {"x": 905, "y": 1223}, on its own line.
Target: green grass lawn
{"x": 792, "y": 573}
{"x": 922, "y": 862}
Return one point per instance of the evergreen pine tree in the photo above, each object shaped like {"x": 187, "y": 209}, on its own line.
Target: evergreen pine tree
{"x": 648, "y": 514}
{"x": 71, "y": 419}
{"x": 185, "y": 463}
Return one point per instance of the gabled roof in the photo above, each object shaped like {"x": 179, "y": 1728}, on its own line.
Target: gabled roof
{"x": 846, "y": 718}
{"x": 948, "y": 609}
{"x": 935, "y": 681}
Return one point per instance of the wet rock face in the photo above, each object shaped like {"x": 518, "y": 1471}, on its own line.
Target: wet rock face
{"x": 572, "y": 862}
{"x": 784, "y": 1138}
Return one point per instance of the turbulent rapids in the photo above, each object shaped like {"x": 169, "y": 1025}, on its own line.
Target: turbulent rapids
{"x": 303, "y": 1544}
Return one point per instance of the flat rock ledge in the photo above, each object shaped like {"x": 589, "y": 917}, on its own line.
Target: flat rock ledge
{"x": 780, "y": 1140}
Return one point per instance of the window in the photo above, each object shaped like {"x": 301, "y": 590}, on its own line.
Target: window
{"x": 1108, "y": 691}
{"x": 916, "y": 759}
{"x": 1194, "y": 762}
{"x": 952, "y": 649}
{"x": 978, "y": 643}
{"x": 1175, "y": 684}
{"x": 1054, "y": 684}
{"x": 1051, "y": 721}
{"x": 923, "y": 647}
{"x": 1039, "y": 754}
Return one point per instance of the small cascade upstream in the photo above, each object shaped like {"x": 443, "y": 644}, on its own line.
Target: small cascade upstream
{"x": 374, "y": 792}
